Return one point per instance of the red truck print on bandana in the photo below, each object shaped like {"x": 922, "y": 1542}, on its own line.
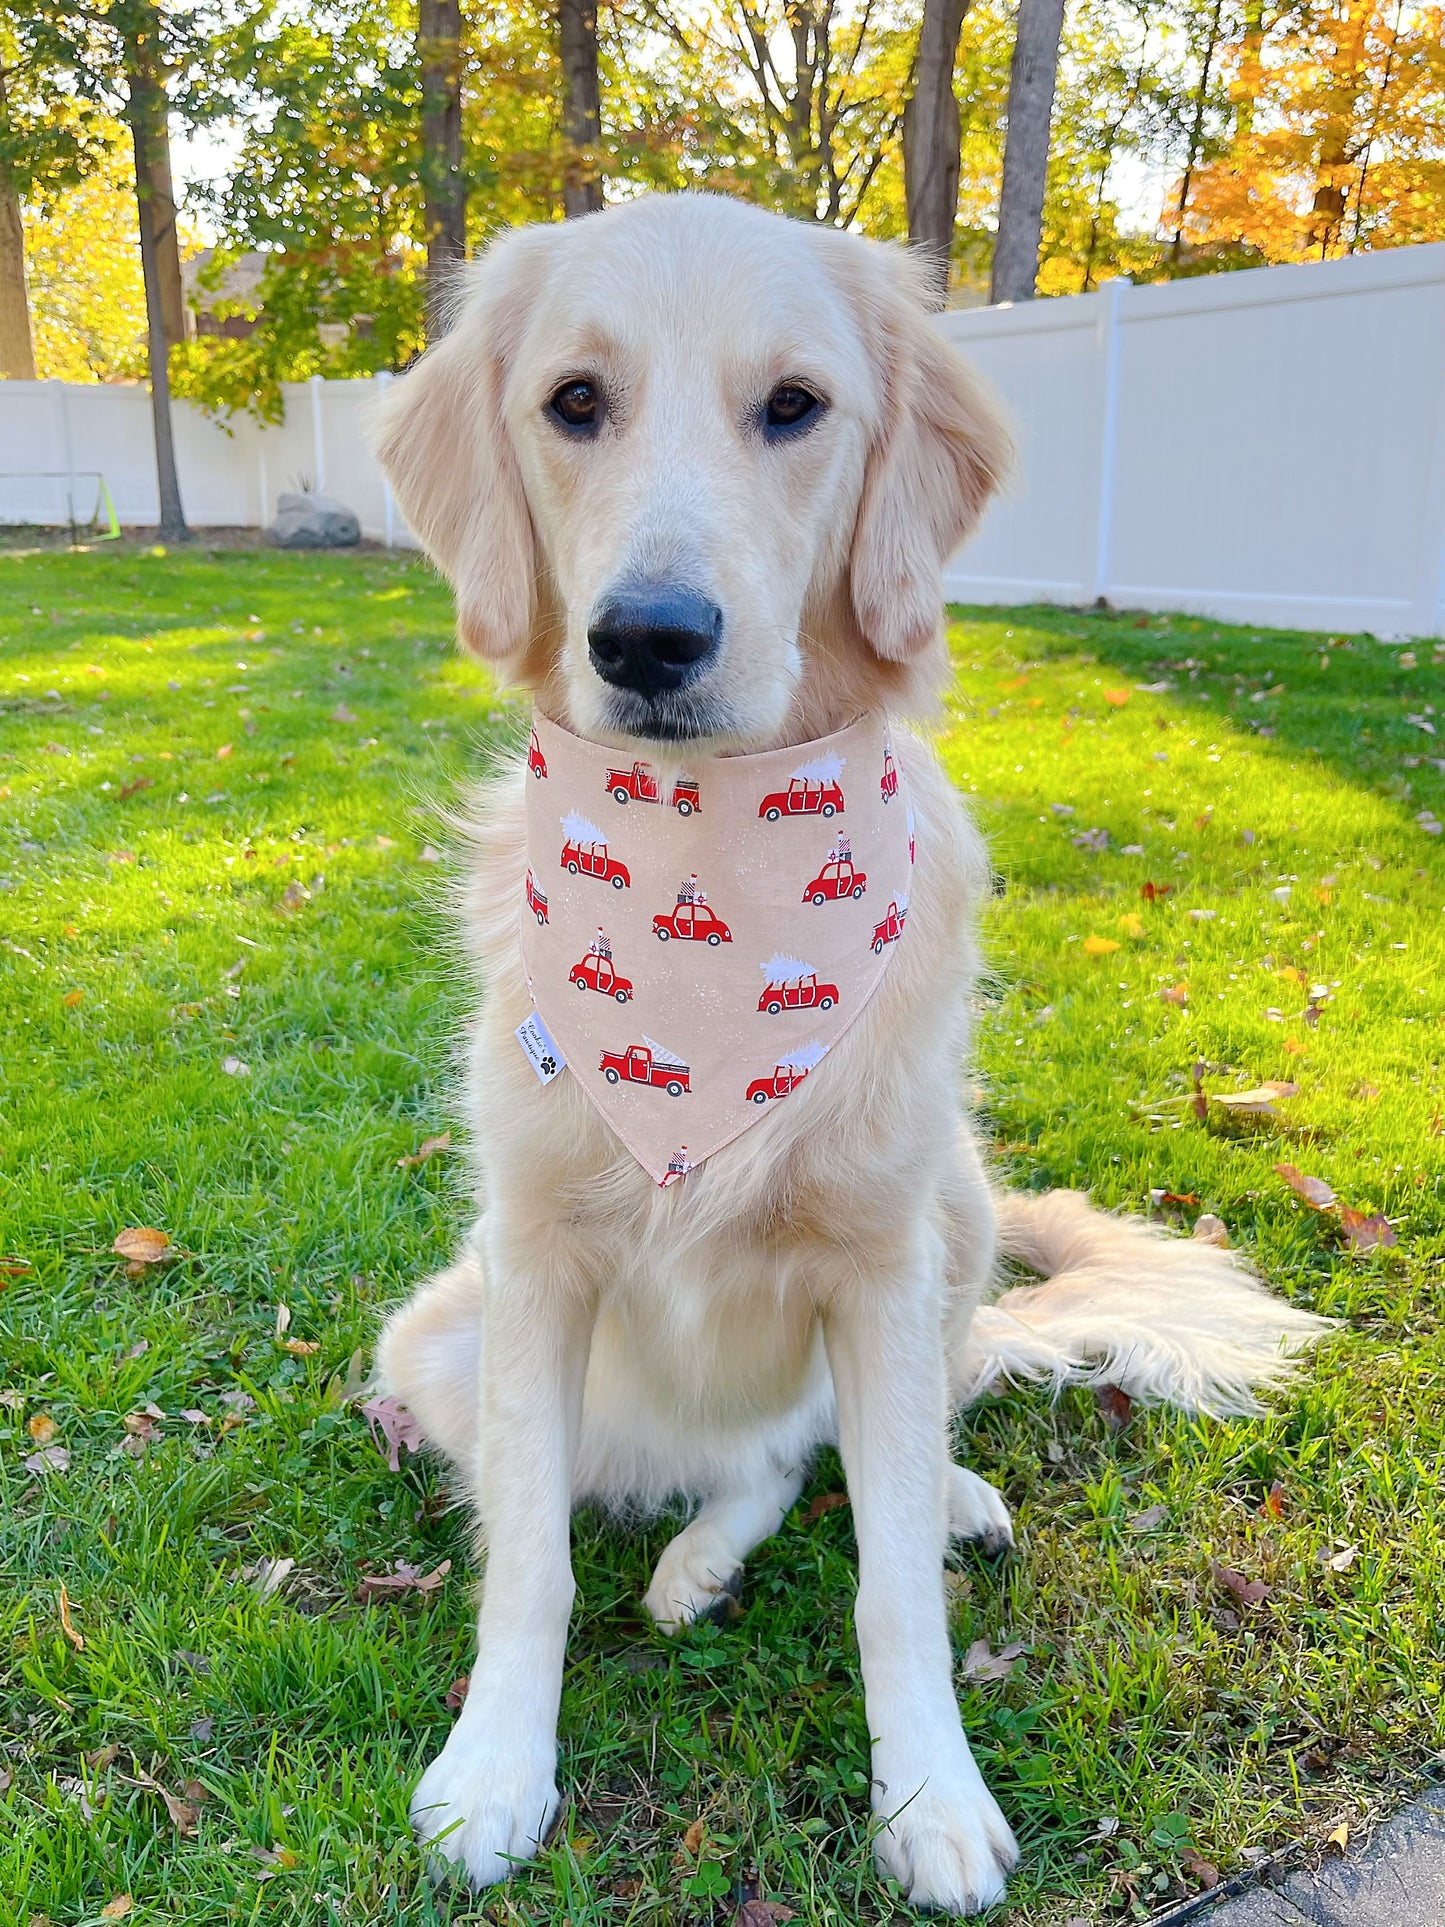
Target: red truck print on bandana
{"x": 639, "y": 785}
{"x": 648, "y": 1063}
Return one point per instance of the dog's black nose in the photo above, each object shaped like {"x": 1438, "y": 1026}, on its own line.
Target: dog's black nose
{"x": 653, "y": 637}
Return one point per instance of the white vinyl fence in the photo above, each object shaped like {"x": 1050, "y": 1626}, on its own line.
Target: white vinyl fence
{"x": 1262, "y": 447}
{"x": 58, "y": 439}
{"x": 1265, "y": 447}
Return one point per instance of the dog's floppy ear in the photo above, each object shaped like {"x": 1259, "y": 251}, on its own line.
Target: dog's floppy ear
{"x": 445, "y": 448}
{"x": 941, "y": 451}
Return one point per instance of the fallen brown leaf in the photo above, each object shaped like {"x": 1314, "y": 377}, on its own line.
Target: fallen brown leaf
{"x": 1258, "y": 1102}
{"x": 692, "y": 1840}
{"x": 1151, "y": 892}
{"x": 1365, "y": 1231}
{"x": 825, "y": 1502}
{"x": 67, "y": 1624}
{"x": 72, "y": 998}
{"x": 134, "y": 786}
{"x": 1099, "y": 946}
{"x": 1178, "y": 995}
{"x": 1249, "y": 1592}
{"x": 52, "y": 1458}
{"x": 143, "y": 1245}
{"x": 118, "y": 1908}
{"x": 456, "y": 1694}
{"x": 396, "y": 1425}
{"x": 428, "y": 1148}
{"x": 42, "y": 1428}
{"x": 1315, "y": 1192}
{"x": 405, "y": 1578}
{"x": 268, "y": 1575}
{"x": 761, "y": 1913}
{"x": 1116, "y": 698}
{"x": 1339, "y": 1836}
{"x": 1116, "y": 1407}
{"x": 301, "y": 1347}
{"x": 183, "y": 1814}
{"x": 981, "y": 1663}
{"x": 223, "y": 752}
{"x": 1273, "y": 1505}
{"x": 102, "y": 1757}
{"x": 1210, "y": 1230}
{"x": 1200, "y": 1870}
{"x": 1151, "y": 1516}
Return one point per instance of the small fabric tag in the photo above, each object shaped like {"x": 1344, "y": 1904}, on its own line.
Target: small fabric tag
{"x": 540, "y": 1050}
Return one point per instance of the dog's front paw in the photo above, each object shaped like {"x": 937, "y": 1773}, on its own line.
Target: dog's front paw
{"x": 696, "y": 1578}
{"x": 949, "y": 1847}
{"x": 483, "y": 1805}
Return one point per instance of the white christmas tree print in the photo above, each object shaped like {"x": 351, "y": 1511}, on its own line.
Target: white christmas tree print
{"x": 781, "y": 970}
{"x": 806, "y": 1057}
{"x": 580, "y": 829}
{"x": 662, "y": 1055}
{"x": 823, "y": 769}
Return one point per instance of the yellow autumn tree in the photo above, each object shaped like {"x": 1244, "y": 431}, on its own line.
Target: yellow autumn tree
{"x": 1338, "y": 140}
{"x": 82, "y": 262}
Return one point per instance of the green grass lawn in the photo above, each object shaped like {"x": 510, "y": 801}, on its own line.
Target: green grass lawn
{"x": 221, "y": 788}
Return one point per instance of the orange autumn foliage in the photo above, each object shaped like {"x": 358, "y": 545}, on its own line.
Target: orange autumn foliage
{"x": 1337, "y": 141}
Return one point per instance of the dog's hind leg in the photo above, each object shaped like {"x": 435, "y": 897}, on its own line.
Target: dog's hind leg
{"x": 976, "y": 1511}
{"x": 429, "y": 1356}
{"x": 703, "y": 1564}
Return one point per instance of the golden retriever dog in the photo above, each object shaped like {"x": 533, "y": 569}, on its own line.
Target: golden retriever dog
{"x": 713, "y": 409}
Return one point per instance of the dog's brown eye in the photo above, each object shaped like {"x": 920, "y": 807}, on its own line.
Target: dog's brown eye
{"x": 789, "y": 406}
{"x": 577, "y": 404}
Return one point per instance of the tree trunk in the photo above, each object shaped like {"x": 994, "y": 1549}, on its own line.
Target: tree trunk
{"x": 1026, "y": 149}
{"x": 1196, "y": 133}
{"x": 148, "y": 101}
{"x": 932, "y": 132}
{"x": 146, "y": 110}
{"x": 581, "y": 107}
{"x": 444, "y": 191}
{"x": 17, "y": 349}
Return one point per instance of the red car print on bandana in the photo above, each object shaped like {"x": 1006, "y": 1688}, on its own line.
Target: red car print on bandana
{"x": 792, "y": 984}
{"x": 813, "y": 790}
{"x": 839, "y": 877}
{"x": 585, "y": 853}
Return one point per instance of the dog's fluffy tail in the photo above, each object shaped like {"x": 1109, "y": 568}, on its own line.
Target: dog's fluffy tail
{"x": 1163, "y": 1318}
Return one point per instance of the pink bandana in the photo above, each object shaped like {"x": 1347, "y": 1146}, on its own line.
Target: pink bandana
{"x": 696, "y": 944}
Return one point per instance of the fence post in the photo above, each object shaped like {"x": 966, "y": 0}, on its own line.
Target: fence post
{"x": 318, "y": 439}
{"x": 1111, "y": 300}
{"x": 383, "y": 382}
{"x": 67, "y": 454}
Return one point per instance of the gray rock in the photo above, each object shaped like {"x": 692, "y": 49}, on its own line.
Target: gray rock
{"x": 307, "y": 521}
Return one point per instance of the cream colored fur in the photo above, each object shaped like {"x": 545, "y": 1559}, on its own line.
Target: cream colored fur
{"x": 817, "y": 1280}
